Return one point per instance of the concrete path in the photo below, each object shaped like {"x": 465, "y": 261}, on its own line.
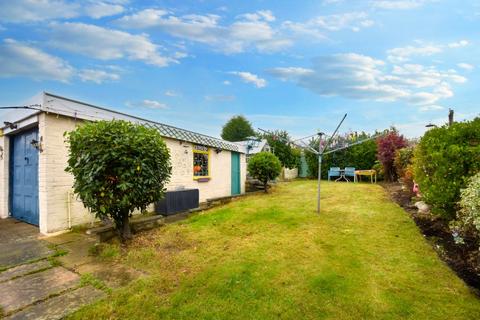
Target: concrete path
{"x": 33, "y": 284}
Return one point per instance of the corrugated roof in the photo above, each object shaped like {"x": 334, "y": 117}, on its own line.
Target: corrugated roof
{"x": 65, "y": 106}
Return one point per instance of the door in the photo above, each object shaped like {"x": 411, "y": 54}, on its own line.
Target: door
{"x": 235, "y": 173}
{"x": 24, "y": 177}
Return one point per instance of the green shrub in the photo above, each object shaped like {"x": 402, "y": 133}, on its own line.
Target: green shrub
{"x": 288, "y": 156}
{"x": 444, "y": 160}
{"x": 118, "y": 167}
{"x": 264, "y": 166}
{"x": 403, "y": 158}
{"x": 468, "y": 217}
{"x": 362, "y": 156}
{"x": 403, "y": 165}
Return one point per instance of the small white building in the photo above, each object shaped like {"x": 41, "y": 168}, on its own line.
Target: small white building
{"x": 35, "y": 188}
{"x": 253, "y": 146}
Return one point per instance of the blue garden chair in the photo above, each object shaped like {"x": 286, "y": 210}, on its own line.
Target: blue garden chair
{"x": 350, "y": 172}
{"x": 333, "y": 172}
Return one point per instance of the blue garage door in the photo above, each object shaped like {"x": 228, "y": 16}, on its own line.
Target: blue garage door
{"x": 24, "y": 177}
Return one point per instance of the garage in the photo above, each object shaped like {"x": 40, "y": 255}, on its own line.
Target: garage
{"x": 24, "y": 176}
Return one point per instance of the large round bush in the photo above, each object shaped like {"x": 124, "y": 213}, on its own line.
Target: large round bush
{"x": 264, "y": 166}
{"x": 444, "y": 160}
{"x": 118, "y": 167}
{"x": 468, "y": 217}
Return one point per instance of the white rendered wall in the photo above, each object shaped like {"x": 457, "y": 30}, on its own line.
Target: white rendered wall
{"x": 55, "y": 184}
{"x": 4, "y": 166}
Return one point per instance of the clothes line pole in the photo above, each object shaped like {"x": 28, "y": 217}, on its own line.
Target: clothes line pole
{"x": 319, "y": 169}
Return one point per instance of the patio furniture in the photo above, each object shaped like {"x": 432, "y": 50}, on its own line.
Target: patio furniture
{"x": 371, "y": 173}
{"x": 334, "y": 172}
{"x": 350, "y": 172}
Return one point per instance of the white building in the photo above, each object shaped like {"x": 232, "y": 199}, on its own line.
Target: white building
{"x": 35, "y": 188}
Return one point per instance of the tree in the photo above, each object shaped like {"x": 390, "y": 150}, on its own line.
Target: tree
{"x": 238, "y": 128}
{"x": 264, "y": 166}
{"x": 118, "y": 167}
{"x": 360, "y": 156}
{"x": 388, "y": 145}
{"x": 288, "y": 156}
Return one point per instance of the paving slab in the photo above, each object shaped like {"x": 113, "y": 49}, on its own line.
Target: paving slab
{"x": 64, "y": 238}
{"x": 12, "y": 230}
{"x": 78, "y": 253}
{"x": 14, "y": 253}
{"x": 21, "y": 292}
{"x": 60, "y": 306}
{"x": 24, "y": 269}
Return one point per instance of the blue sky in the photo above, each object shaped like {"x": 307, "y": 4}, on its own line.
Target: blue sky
{"x": 294, "y": 65}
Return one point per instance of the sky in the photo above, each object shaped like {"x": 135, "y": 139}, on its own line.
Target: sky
{"x": 290, "y": 65}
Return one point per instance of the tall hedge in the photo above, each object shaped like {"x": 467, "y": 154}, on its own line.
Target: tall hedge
{"x": 444, "y": 160}
{"x": 362, "y": 156}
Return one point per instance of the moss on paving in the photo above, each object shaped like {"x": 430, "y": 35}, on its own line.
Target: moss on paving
{"x": 271, "y": 256}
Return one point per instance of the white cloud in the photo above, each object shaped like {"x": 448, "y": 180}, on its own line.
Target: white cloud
{"x": 35, "y": 11}
{"x": 398, "y": 4}
{"x": 466, "y": 66}
{"x": 171, "y": 93}
{"x": 227, "y": 83}
{"x": 147, "y": 103}
{"x": 250, "y": 78}
{"x": 219, "y": 98}
{"x": 317, "y": 27}
{"x": 266, "y": 15}
{"x": 432, "y": 107}
{"x": 251, "y": 30}
{"x": 19, "y": 59}
{"x": 97, "y": 76}
{"x": 404, "y": 53}
{"x": 361, "y": 77}
{"x": 103, "y": 9}
{"x": 106, "y": 44}
{"x": 459, "y": 44}
{"x": 287, "y": 73}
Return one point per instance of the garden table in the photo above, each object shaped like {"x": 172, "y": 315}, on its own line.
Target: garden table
{"x": 372, "y": 173}
{"x": 342, "y": 176}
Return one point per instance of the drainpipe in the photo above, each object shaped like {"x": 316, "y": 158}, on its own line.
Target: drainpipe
{"x": 69, "y": 209}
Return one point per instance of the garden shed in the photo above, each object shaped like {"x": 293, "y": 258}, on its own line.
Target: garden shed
{"x": 35, "y": 188}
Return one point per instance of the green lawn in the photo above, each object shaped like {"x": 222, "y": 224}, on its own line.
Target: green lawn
{"x": 272, "y": 257}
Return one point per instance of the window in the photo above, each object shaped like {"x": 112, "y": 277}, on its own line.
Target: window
{"x": 201, "y": 165}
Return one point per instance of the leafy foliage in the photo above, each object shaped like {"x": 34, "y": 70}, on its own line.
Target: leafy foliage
{"x": 288, "y": 156}
{"x": 404, "y": 166}
{"x": 403, "y": 159}
{"x": 444, "y": 160}
{"x": 118, "y": 167}
{"x": 468, "y": 217}
{"x": 387, "y": 146}
{"x": 238, "y": 128}
{"x": 361, "y": 156}
{"x": 264, "y": 166}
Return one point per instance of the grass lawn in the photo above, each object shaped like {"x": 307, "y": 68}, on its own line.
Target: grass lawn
{"x": 272, "y": 257}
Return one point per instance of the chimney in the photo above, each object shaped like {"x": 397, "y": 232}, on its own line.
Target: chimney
{"x": 450, "y": 117}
